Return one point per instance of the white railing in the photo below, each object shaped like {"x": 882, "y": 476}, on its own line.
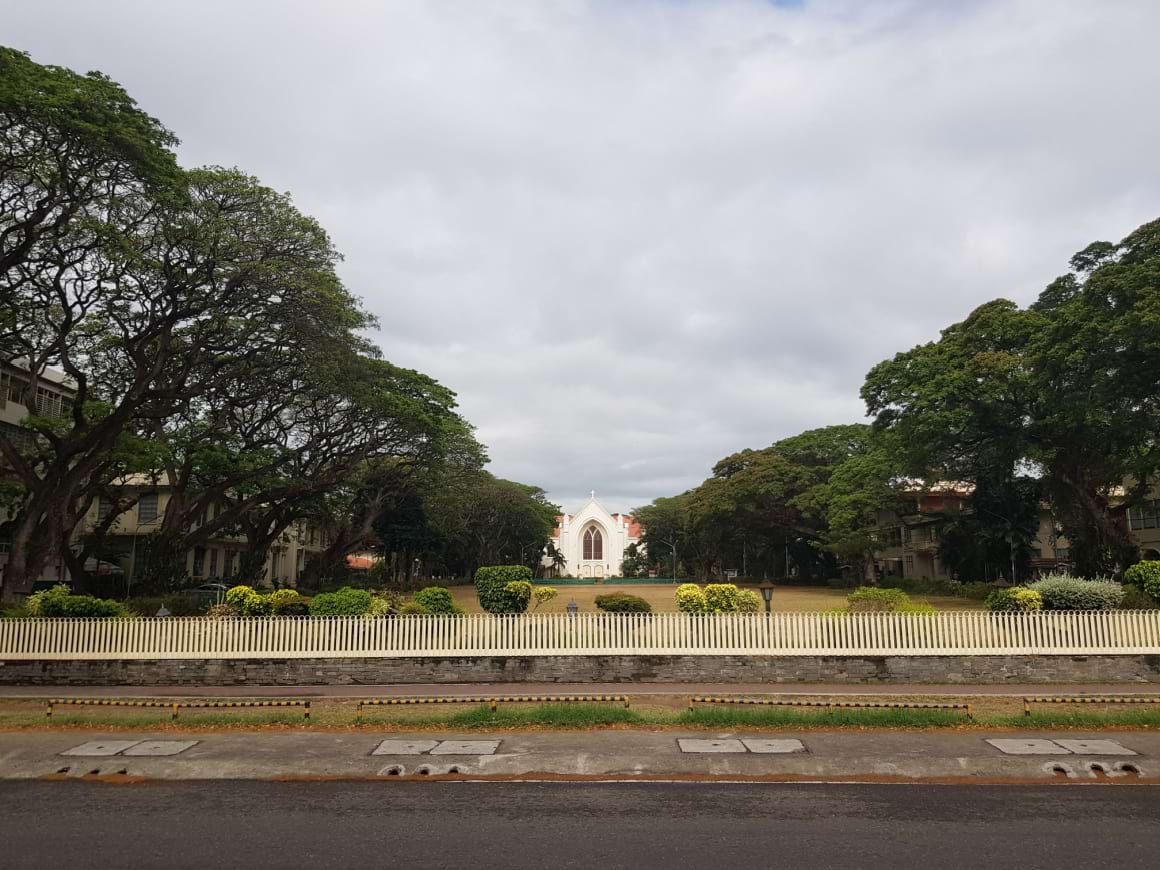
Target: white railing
{"x": 782, "y": 634}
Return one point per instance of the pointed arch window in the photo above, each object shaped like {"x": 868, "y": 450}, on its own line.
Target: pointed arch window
{"x": 593, "y": 544}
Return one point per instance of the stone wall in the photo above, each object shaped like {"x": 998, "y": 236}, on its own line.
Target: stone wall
{"x": 584, "y": 669}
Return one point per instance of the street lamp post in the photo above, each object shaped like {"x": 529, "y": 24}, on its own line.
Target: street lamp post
{"x": 767, "y": 594}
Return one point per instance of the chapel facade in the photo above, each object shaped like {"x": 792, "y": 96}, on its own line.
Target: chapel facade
{"x": 593, "y": 540}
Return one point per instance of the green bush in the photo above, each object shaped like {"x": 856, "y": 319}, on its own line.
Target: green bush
{"x": 917, "y": 607}
{"x": 748, "y": 601}
{"x": 346, "y": 601}
{"x": 412, "y": 608}
{"x": 1137, "y": 599}
{"x": 1064, "y": 592}
{"x": 287, "y": 602}
{"x": 690, "y": 599}
{"x": 436, "y": 599}
{"x": 59, "y": 601}
{"x": 491, "y": 585}
{"x": 1145, "y": 576}
{"x": 620, "y": 602}
{"x": 1017, "y": 599}
{"x": 873, "y": 599}
{"x": 544, "y": 594}
{"x": 721, "y": 598}
{"x": 386, "y": 603}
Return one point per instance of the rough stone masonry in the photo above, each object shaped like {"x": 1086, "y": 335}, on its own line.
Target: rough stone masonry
{"x": 579, "y": 669}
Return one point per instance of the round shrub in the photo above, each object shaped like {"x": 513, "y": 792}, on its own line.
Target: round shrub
{"x": 690, "y": 599}
{"x": 620, "y": 602}
{"x": 436, "y": 599}
{"x": 1017, "y": 599}
{"x": 412, "y": 608}
{"x": 1064, "y": 592}
{"x": 287, "y": 602}
{"x": 919, "y": 607}
{"x": 544, "y": 594}
{"x": 1146, "y": 576}
{"x": 748, "y": 601}
{"x": 721, "y": 598}
{"x": 236, "y": 596}
{"x": 346, "y": 601}
{"x": 491, "y": 584}
{"x": 386, "y": 603}
{"x": 872, "y": 599}
{"x": 250, "y": 602}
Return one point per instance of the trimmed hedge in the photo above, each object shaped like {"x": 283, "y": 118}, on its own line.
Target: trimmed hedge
{"x": 436, "y": 599}
{"x": 491, "y": 585}
{"x": 716, "y": 598}
{"x": 1017, "y": 599}
{"x": 620, "y": 602}
{"x": 1064, "y": 592}
{"x": 873, "y": 599}
{"x": 346, "y": 601}
{"x": 59, "y": 601}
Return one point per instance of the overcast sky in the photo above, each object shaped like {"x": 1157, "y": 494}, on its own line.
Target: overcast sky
{"x": 635, "y": 237}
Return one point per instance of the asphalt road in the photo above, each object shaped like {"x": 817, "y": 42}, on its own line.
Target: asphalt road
{"x": 556, "y": 825}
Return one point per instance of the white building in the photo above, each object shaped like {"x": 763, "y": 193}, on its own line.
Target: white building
{"x": 593, "y": 541}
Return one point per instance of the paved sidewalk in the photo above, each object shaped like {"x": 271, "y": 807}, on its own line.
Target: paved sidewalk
{"x": 1069, "y": 756}
{"x": 633, "y": 689}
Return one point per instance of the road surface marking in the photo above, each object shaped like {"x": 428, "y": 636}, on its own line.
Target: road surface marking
{"x": 1028, "y": 746}
{"x": 693, "y": 744}
{"x": 1095, "y": 747}
{"x": 161, "y": 747}
{"x": 776, "y": 747}
{"x": 101, "y": 747}
{"x": 466, "y": 747}
{"x": 405, "y": 747}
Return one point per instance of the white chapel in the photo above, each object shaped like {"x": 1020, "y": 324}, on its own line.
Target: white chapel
{"x": 593, "y": 541}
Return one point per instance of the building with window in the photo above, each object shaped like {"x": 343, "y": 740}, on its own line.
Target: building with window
{"x": 593, "y": 540}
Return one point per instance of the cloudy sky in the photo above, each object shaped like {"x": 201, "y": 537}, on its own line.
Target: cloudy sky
{"x": 638, "y": 235}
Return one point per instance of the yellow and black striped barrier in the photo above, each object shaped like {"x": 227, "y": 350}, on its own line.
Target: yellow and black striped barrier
{"x": 175, "y": 706}
{"x": 109, "y": 702}
{"x": 491, "y": 700}
{"x": 1087, "y": 699}
{"x": 830, "y": 705}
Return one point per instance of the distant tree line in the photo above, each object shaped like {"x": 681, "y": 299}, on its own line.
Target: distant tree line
{"x": 1055, "y": 403}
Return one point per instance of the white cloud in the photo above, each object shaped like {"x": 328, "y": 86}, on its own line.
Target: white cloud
{"x": 637, "y": 236}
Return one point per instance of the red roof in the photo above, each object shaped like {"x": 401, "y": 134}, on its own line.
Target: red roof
{"x": 359, "y": 563}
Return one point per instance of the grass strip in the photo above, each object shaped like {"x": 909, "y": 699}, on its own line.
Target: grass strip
{"x": 814, "y": 717}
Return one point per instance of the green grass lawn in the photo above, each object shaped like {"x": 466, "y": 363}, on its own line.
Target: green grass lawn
{"x": 663, "y": 598}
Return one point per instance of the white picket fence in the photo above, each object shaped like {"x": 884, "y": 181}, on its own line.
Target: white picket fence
{"x": 783, "y": 634}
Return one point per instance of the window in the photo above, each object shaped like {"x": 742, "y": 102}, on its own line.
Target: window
{"x": 909, "y": 566}
{"x": 1145, "y": 516}
{"x": 198, "y": 561}
{"x": 906, "y": 535}
{"x": 213, "y": 557}
{"x": 50, "y": 403}
{"x": 1062, "y": 554}
{"x": 104, "y": 508}
{"x": 147, "y": 508}
{"x": 593, "y": 544}
{"x": 11, "y": 389}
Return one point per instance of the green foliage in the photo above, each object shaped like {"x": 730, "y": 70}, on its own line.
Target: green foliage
{"x": 287, "y": 602}
{"x": 721, "y": 598}
{"x": 346, "y": 601}
{"x": 1138, "y": 599}
{"x": 690, "y": 599}
{"x": 436, "y": 599}
{"x": 1064, "y": 592}
{"x": 519, "y": 595}
{"x": 872, "y": 599}
{"x": 491, "y": 584}
{"x": 1017, "y": 599}
{"x": 748, "y": 601}
{"x": 620, "y": 602}
{"x": 59, "y": 601}
{"x": 543, "y": 594}
{"x": 1145, "y": 576}
{"x": 412, "y": 608}
{"x": 385, "y": 603}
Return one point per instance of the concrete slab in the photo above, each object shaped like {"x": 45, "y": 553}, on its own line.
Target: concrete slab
{"x": 405, "y": 747}
{"x": 466, "y": 747}
{"x": 696, "y": 745}
{"x": 96, "y": 748}
{"x": 1094, "y": 747}
{"x": 158, "y": 748}
{"x": 773, "y": 747}
{"x": 1028, "y": 746}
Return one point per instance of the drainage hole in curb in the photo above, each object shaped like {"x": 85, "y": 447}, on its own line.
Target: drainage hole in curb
{"x": 1130, "y": 769}
{"x": 64, "y": 770}
{"x": 453, "y": 770}
{"x": 1060, "y": 771}
{"x": 423, "y": 771}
